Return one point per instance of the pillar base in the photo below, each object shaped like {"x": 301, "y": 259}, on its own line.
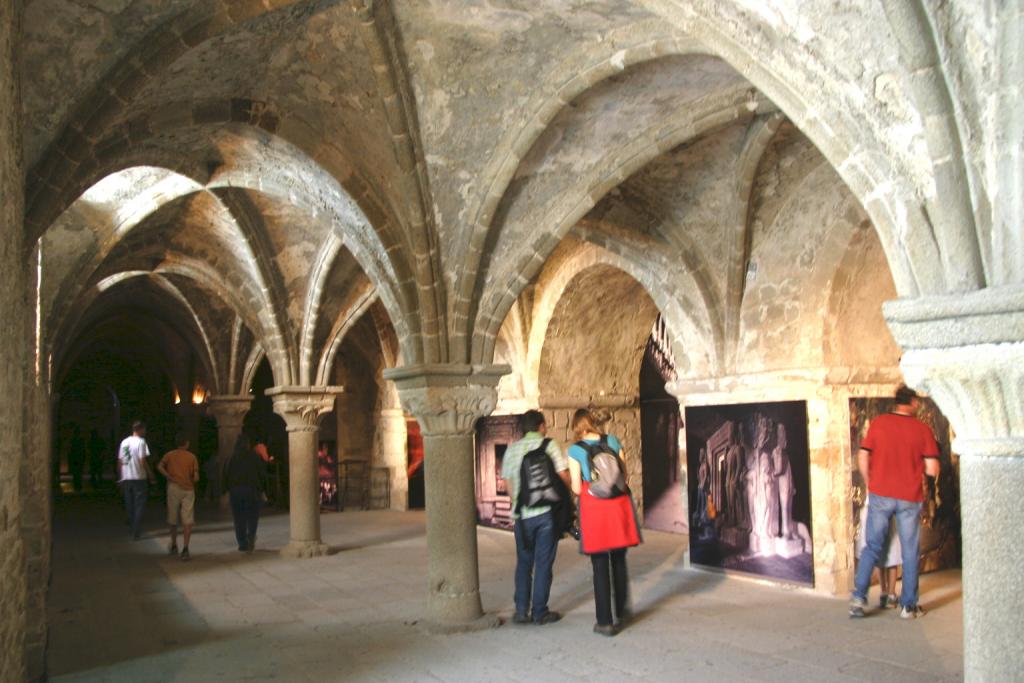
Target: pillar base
{"x": 481, "y": 623}
{"x": 304, "y": 549}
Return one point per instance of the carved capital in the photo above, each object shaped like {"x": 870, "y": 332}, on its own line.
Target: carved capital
{"x": 229, "y": 411}
{"x": 301, "y": 407}
{"x": 447, "y": 399}
{"x": 967, "y": 352}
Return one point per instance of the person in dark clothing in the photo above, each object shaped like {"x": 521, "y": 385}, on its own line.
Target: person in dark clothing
{"x": 245, "y": 479}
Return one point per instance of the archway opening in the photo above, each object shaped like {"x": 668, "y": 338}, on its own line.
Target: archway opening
{"x": 663, "y": 495}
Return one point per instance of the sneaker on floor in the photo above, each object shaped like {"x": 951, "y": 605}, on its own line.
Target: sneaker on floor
{"x": 915, "y": 612}
{"x": 548, "y": 618}
{"x": 172, "y": 549}
{"x": 857, "y": 607}
{"x": 518, "y": 618}
{"x": 609, "y": 630}
{"x": 889, "y": 602}
{"x": 185, "y": 557}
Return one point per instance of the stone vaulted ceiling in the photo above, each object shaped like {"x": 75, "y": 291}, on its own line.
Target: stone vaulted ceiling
{"x": 268, "y": 170}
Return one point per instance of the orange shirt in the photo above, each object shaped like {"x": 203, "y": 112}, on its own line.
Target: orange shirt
{"x": 182, "y": 467}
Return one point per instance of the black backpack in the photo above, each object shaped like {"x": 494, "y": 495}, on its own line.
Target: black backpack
{"x": 606, "y": 478}
{"x": 537, "y": 478}
{"x": 539, "y": 484}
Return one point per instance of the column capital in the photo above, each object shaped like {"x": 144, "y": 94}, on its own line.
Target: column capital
{"x": 447, "y": 399}
{"x": 967, "y": 352}
{"x": 228, "y": 409}
{"x": 301, "y": 407}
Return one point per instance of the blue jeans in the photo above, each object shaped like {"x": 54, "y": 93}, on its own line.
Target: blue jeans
{"x": 908, "y": 526}
{"x": 135, "y": 493}
{"x": 536, "y": 545}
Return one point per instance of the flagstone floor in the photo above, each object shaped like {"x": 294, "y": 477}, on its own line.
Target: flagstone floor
{"x": 124, "y": 611}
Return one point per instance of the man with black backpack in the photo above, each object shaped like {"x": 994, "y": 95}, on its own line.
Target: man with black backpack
{"x": 537, "y": 473}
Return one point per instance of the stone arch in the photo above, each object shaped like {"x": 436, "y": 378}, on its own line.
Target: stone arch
{"x": 560, "y": 85}
{"x": 110, "y": 230}
{"x": 352, "y": 206}
{"x": 909, "y": 235}
{"x": 574, "y": 258}
{"x": 500, "y": 289}
{"x": 359, "y": 303}
{"x": 792, "y": 290}
{"x": 107, "y": 100}
{"x": 913, "y": 248}
{"x": 177, "y": 315}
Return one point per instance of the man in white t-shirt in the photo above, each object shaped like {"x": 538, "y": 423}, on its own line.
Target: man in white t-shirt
{"x": 133, "y": 461}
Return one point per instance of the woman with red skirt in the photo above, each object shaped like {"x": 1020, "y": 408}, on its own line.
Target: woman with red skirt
{"x": 607, "y": 525}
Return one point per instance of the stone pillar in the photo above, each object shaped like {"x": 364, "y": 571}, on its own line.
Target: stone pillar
{"x": 229, "y": 411}
{"x": 393, "y": 450}
{"x": 301, "y": 408}
{"x": 36, "y": 519}
{"x": 447, "y": 400}
{"x": 967, "y": 352}
{"x": 15, "y": 345}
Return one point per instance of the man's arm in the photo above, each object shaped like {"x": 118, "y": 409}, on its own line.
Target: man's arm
{"x": 195, "y": 470}
{"x": 863, "y": 458}
{"x": 560, "y": 461}
{"x": 931, "y": 466}
{"x": 161, "y": 467}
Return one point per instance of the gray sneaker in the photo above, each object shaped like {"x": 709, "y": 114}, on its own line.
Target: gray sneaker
{"x": 185, "y": 557}
{"x": 914, "y": 612}
{"x": 857, "y": 607}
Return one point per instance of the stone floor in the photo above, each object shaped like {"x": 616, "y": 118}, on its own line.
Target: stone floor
{"x": 124, "y": 611}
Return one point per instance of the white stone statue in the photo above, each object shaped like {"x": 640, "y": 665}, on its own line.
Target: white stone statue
{"x": 783, "y": 474}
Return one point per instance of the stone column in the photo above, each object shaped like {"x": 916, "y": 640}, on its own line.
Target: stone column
{"x": 36, "y": 519}
{"x": 229, "y": 411}
{"x": 301, "y": 408}
{"x": 15, "y": 344}
{"x": 393, "y": 445}
{"x": 967, "y": 352}
{"x": 447, "y": 400}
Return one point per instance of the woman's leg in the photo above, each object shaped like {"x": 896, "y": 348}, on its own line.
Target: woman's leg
{"x": 602, "y": 588}
{"x": 620, "y": 581}
{"x": 253, "y": 521}
{"x": 238, "y": 515}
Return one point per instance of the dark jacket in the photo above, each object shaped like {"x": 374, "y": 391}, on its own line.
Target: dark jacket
{"x": 246, "y": 469}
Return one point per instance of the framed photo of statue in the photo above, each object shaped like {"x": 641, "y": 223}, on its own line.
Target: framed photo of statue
{"x": 749, "y": 489}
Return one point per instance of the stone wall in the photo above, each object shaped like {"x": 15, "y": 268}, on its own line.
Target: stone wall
{"x": 622, "y": 421}
{"x": 12, "y": 341}
{"x": 37, "y": 522}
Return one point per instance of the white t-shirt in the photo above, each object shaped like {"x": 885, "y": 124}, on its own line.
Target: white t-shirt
{"x": 131, "y": 453}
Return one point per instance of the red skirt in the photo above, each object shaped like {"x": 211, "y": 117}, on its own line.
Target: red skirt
{"x": 607, "y": 523}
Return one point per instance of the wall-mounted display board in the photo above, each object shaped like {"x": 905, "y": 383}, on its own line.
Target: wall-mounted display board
{"x": 749, "y": 489}
{"x": 493, "y": 435}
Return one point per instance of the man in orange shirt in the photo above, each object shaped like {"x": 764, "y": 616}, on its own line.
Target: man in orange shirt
{"x": 182, "y": 471}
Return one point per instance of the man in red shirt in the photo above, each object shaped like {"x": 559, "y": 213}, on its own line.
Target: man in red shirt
{"x": 897, "y": 453}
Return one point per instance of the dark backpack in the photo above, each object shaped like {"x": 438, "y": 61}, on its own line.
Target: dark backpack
{"x": 537, "y": 479}
{"x": 606, "y": 478}
{"x": 539, "y": 484}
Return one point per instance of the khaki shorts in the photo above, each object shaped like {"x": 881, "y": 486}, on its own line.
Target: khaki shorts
{"x": 181, "y": 503}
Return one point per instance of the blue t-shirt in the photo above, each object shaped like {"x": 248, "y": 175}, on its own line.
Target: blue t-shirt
{"x": 580, "y": 455}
